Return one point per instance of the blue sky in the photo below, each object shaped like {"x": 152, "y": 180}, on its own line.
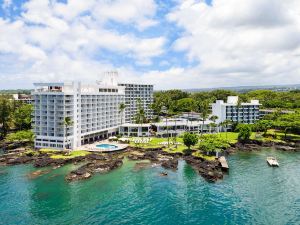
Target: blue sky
{"x": 172, "y": 44}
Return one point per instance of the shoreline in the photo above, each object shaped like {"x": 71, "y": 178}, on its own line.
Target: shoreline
{"x": 104, "y": 162}
{"x": 256, "y": 145}
{"x": 99, "y": 163}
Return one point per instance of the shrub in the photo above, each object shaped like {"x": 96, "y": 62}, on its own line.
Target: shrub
{"x": 190, "y": 139}
{"x": 213, "y": 143}
{"x": 187, "y": 152}
{"x": 244, "y": 132}
{"x": 20, "y": 136}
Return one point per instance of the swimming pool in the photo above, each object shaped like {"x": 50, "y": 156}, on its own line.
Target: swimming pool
{"x": 107, "y": 146}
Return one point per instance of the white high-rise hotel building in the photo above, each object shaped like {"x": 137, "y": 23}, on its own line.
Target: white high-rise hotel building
{"x": 93, "y": 110}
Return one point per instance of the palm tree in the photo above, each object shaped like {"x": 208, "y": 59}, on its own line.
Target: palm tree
{"x": 67, "y": 124}
{"x": 203, "y": 109}
{"x": 225, "y": 125}
{"x": 175, "y": 135}
{"x": 5, "y": 116}
{"x": 213, "y": 125}
{"x": 166, "y": 112}
{"x": 174, "y": 115}
{"x": 214, "y": 119}
{"x": 157, "y": 109}
{"x": 140, "y": 114}
{"x": 122, "y": 107}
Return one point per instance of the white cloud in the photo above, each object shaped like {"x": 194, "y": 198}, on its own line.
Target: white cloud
{"x": 230, "y": 43}
{"x": 130, "y": 11}
{"x": 250, "y": 39}
{"x": 54, "y": 40}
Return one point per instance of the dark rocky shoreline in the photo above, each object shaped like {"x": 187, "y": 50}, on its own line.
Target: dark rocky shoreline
{"x": 255, "y": 145}
{"x": 104, "y": 162}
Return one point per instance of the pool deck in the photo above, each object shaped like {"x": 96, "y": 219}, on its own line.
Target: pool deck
{"x": 93, "y": 148}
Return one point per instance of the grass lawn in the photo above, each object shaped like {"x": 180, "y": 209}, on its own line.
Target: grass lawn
{"x": 49, "y": 150}
{"x": 203, "y": 156}
{"x": 54, "y": 154}
{"x": 155, "y": 143}
{"x": 294, "y": 137}
{"x": 73, "y": 154}
{"x": 232, "y": 137}
{"x": 30, "y": 152}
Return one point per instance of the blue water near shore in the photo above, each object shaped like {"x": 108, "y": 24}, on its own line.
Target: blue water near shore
{"x": 252, "y": 193}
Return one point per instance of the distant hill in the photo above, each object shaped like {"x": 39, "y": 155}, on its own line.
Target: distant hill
{"x": 243, "y": 89}
{"x": 16, "y": 91}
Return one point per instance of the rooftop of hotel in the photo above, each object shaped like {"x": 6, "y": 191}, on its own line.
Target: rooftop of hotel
{"x": 233, "y": 100}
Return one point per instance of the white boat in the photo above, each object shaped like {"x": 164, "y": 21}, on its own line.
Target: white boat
{"x": 272, "y": 161}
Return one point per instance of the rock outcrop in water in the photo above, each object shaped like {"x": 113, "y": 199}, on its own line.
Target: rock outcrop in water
{"x": 170, "y": 164}
{"x": 167, "y": 161}
{"x": 15, "y": 158}
{"x": 86, "y": 171}
{"x": 210, "y": 170}
{"x": 105, "y": 162}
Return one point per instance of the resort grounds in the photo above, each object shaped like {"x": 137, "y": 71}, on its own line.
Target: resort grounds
{"x": 176, "y": 145}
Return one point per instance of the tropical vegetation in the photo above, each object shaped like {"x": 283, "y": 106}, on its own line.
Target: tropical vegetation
{"x": 190, "y": 139}
{"x": 14, "y": 116}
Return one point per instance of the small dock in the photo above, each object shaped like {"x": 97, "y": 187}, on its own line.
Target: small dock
{"x": 223, "y": 163}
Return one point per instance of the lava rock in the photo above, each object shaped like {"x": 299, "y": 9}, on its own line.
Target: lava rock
{"x": 19, "y": 160}
{"x": 46, "y": 161}
{"x": 170, "y": 164}
{"x": 285, "y": 148}
{"x": 86, "y": 171}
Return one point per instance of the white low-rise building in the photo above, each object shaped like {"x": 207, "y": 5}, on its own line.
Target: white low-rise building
{"x": 22, "y": 98}
{"x": 171, "y": 127}
{"x": 233, "y": 110}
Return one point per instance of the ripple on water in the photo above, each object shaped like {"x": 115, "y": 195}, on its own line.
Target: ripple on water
{"x": 252, "y": 193}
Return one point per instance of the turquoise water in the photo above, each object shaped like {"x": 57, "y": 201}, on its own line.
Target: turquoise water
{"x": 106, "y": 146}
{"x": 252, "y": 193}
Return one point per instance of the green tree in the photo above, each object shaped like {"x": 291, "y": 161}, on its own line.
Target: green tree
{"x": 203, "y": 107}
{"x": 174, "y": 95}
{"x": 140, "y": 114}
{"x": 166, "y": 112}
{"x": 21, "y": 136}
{"x": 214, "y": 119}
{"x": 5, "y": 115}
{"x": 244, "y": 132}
{"x": 67, "y": 124}
{"x": 263, "y": 126}
{"x": 122, "y": 107}
{"x": 156, "y": 106}
{"x": 213, "y": 127}
{"x": 190, "y": 139}
{"x": 185, "y": 105}
{"x": 225, "y": 125}
{"x": 213, "y": 143}
{"x": 22, "y": 117}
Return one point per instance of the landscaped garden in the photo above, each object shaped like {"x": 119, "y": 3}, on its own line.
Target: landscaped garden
{"x": 210, "y": 143}
{"x": 155, "y": 142}
{"x": 54, "y": 154}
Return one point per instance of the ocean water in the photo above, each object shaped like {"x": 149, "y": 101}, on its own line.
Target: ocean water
{"x": 252, "y": 193}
